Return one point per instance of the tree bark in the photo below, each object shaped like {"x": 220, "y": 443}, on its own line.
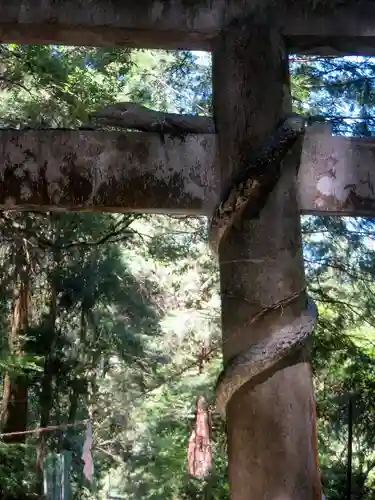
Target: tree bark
{"x": 271, "y": 427}
{"x": 14, "y": 407}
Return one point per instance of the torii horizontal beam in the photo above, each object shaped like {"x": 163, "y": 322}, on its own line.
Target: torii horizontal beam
{"x": 177, "y": 24}
{"x": 106, "y": 171}
{"x": 136, "y": 172}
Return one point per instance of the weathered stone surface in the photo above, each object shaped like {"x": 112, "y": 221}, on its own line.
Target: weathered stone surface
{"x": 131, "y": 23}
{"x": 330, "y": 29}
{"x": 79, "y": 170}
{"x": 178, "y": 24}
{"x": 337, "y": 174}
{"x": 84, "y": 170}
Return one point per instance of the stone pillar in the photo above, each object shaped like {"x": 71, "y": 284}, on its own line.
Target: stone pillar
{"x": 270, "y": 421}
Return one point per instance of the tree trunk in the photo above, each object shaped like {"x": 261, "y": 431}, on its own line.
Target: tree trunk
{"x": 46, "y": 390}
{"x": 270, "y": 422}
{"x": 46, "y": 385}
{"x": 13, "y": 415}
{"x": 14, "y": 406}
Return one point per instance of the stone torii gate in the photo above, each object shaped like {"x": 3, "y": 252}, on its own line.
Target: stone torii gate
{"x": 271, "y": 425}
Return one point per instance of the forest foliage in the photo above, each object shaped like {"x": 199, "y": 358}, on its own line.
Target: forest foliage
{"x": 110, "y": 316}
